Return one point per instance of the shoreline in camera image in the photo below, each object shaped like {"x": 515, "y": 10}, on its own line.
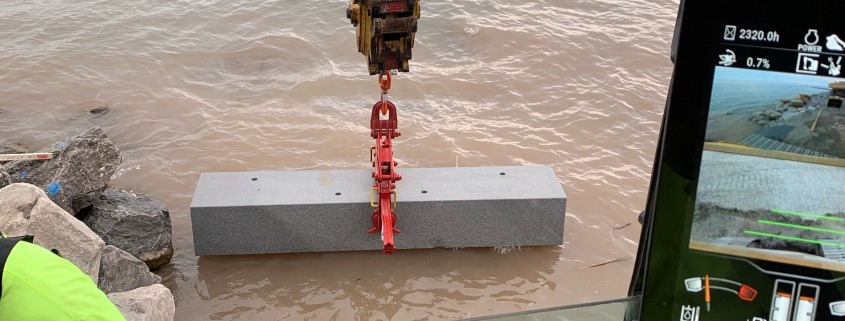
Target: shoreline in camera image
{"x": 772, "y": 178}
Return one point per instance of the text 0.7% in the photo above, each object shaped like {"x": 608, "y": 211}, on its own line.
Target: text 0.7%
{"x": 758, "y": 63}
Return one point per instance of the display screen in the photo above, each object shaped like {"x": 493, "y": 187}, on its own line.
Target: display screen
{"x": 768, "y": 224}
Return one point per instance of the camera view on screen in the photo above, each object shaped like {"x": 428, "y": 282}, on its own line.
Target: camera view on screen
{"x": 772, "y": 178}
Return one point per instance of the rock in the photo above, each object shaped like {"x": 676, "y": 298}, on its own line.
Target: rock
{"x": 766, "y": 116}
{"x": 790, "y": 114}
{"x": 158, "y": 258}
{"x": 136, "y": 224}
{"x": 785, "y": 100}
{"x": 120, "y": 271}
{"x": 77, "y": 174}
{"x": 151, "y": 303}
{"x": 5, "y": 179}
{"x": 783, "y": 245}
{"x": 99, "y": 110}
{"x": 796, "y": 103}
{"x": 772, "y": 114}
{"x": 27, "y": 210}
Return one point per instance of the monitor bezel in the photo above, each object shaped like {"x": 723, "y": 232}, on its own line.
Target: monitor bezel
{"x": 664, "y": 242}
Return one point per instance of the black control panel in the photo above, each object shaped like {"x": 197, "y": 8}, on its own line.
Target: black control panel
{"x": 746, "y": 214}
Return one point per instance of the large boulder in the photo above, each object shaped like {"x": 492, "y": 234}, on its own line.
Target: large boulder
{"x": 120, "y": 271}
{"x": 151, "y": 303}
{"x": 5, "y": 179}
{"x": 77, "y": 174}
{"x": 773, "y": 114}
{"x": 134, "y": 223}
{"x": 26, "y": 210}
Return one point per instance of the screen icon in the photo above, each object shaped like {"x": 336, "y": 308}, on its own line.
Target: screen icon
{"x": 782, "y": 296}
{"x": 837, "y": 308}
{"x": 812, "y": 37}
{"x": 834, "y": 43}
{"x": 808, "y": 299}
{"x": 730, "y": 32}
{"x": 833, "y": 68}
{"x": 808, "y": 63}
{"x": 728, "y": 58}
{"x": 810, "y": 41}
{"x": 690, "y": 313}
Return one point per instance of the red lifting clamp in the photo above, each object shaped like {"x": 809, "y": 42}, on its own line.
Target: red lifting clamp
{"x": 384, "y": 172}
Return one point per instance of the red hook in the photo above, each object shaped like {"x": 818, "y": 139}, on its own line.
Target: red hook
{"x": 385, "y": 86}
{"x": 384, "y": 83}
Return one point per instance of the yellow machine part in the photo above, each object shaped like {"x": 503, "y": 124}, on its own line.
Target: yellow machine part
{"x": 385, "y": 31}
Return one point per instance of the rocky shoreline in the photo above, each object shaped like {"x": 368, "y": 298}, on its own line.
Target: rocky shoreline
{"x": 798, "y": 115}
{"x": 788, "y": 109}
{"x": 115, "y": 237}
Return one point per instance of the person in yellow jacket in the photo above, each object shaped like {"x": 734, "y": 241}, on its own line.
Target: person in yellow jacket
{"x": 39, "y": 285}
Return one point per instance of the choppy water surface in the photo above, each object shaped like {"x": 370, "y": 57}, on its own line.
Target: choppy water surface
{"x": 199, "y": 86}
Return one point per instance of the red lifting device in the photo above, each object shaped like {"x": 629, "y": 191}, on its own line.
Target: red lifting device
{"x": 383, "y": 124}
{"x": 385, "y": 32}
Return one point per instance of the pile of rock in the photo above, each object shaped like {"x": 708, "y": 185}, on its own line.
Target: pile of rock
{"x": 767, "y": 117}
{"x": 115, "y": 237}
{"x": 788, "y": 109}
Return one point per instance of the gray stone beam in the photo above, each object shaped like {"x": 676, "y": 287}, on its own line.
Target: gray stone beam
{"x": 329, "y": 210}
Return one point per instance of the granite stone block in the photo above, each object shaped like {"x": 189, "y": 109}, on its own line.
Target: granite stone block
{"x": 329, "y": 210}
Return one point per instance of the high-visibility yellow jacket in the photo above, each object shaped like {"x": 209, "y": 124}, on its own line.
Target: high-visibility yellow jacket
{"x": 38, "y": 285}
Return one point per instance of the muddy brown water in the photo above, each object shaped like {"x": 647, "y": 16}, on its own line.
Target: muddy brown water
{"x": 201, "y": 86}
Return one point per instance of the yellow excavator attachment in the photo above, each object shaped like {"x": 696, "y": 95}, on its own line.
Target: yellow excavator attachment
{"x": 385, "y": 30}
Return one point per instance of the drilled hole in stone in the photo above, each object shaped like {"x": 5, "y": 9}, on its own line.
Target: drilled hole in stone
{"x": 502, "y": 173}
{"x": 254, "y": 179}
{"x": 424, "y": 191}
{"x": 338, "y": 193}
